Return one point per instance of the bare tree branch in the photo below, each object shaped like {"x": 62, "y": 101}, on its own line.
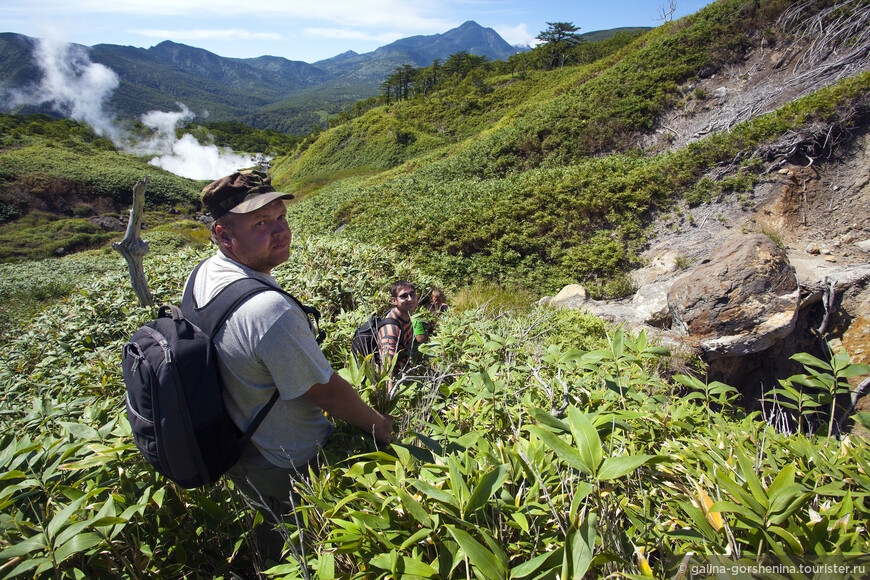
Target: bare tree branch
{"x": 134, "y": 248}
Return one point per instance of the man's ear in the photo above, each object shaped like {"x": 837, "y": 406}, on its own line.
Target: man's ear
{"x": 224, "y": 236}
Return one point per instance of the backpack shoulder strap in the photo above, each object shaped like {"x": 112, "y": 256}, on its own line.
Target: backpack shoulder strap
{"x": 261, "y": 414}
{"x": 210, "y": 317}
{"x": 389, "y": 320}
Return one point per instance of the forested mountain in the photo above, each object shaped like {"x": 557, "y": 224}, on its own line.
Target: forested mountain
{"x": 420, "y": 51}
{"x": 265, "y": 92}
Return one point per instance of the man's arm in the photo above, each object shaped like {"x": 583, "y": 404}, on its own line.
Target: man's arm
{"x": 388, "y": 343}
{"x": 420, "y": 334}
{"x": 338, "y": 398}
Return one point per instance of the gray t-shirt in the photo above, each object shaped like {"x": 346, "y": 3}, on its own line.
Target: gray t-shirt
{"x": 268, "y": 342}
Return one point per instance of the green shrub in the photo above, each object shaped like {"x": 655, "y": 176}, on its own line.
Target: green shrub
{"x": 531, "y": 441}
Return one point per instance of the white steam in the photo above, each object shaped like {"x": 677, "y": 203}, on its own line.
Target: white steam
{"x": 75, "y": 87}
{"x": 78, "y": 88}
{"x": 190, "y": 159}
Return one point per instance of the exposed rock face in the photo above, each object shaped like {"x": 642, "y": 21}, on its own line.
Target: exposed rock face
{"x": 571, "y": 296}
{"x": 742, "y": 301}
{"x": 110, "y": 223}
{"x": 746, "y": 309}
{"x": 851, "y": 319}
{"x": 651, "y": 304}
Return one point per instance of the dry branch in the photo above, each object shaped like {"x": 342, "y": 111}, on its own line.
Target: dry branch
{"x": 827, "y": 46}
{"x": 134, "y": 248}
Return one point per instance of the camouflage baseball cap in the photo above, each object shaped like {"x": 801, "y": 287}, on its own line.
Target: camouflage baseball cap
{"x": 241, "y": 192}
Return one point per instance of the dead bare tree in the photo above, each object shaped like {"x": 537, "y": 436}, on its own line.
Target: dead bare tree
{"x": 825, "y": 47}
{"x": 134, "y": 248}
{"x": 839, "y": 35}
{"x": 666, "y": 11}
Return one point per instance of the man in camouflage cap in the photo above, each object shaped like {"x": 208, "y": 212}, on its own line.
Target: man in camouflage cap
{"x": 269, "y": 343}
{"x": 241, "y": 192}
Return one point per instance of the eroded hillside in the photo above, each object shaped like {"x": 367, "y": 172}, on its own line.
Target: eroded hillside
{"x": 813, "y": 192}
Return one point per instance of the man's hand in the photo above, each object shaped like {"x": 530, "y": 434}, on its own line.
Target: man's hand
{"x": 384, "y": 431}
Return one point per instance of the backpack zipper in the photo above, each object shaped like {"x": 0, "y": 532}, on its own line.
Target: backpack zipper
{"x": 167, "y": 354}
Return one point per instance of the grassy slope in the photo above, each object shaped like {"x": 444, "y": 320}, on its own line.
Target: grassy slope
{"x": 536, "y": 180}
{"x": 54, "y": 174}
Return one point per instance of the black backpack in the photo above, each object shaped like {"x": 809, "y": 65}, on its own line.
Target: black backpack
{"x": 175, "y": 402}
{"x": 365, "y": 339}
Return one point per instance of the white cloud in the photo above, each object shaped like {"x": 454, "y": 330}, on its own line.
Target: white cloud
{"x": 349, "y": 34}
{"x": 516, "y": 35}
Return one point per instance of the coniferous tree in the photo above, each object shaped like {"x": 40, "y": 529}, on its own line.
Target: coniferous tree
{"x": 558, "y": 39}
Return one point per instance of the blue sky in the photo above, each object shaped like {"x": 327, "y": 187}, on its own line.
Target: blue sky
{"x": 311, "y": 30}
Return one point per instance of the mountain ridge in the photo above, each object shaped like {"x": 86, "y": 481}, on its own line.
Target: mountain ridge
{"x": 266, "y": 92}
{"x": 225, "y": 88}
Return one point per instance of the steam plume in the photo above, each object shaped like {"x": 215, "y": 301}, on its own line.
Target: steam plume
{"x": 78, "y": 88}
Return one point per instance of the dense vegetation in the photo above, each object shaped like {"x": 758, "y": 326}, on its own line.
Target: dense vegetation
{"x": 536, "y": 179}
{"x": 531, "y": 443}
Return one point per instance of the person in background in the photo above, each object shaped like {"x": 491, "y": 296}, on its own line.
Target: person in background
{"x": 438, "y": 304}
{"x": 395, "y": 340}
{"x": 425, "y": 323}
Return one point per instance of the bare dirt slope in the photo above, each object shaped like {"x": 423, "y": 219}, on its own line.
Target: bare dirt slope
{"x": 815, "y": 196}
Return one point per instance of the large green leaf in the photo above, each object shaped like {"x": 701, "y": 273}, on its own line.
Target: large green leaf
{"x": 853, "y": 370}
{"x": 403, "y": 565}
{"x": 457, "y": 480}
{"x": 783, "y": 488}
{"x": 417, "y": 536}
{"x": 586, "y": 439}
{"x": 740, "y": 509}
{"x": 541, "y": 564}
{"x": 24, "y": 547}
{"x": 582, "y": 543}
{"x": 76, "y": 544}
{"x": 615, "y": 467}
{"x": 568, "y": 453}
{"x": 80, "y": 430}
{"x": 62, "y": 518}
{"x": 793, "y": 542}
{"x": 747, "y": 470}
{"x": 544, "y": 418}
{"x": 809, "y": 360}
{"x": 479, "y": 556}
{"x": 487, "y": 485}
{"x": 435, "y": 493}
{"x": 413, "y": 506}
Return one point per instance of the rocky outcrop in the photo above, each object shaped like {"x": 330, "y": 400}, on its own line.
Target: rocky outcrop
{"x": 650, "y": 302}
{"x": 742, "y": 300}
{"x": 745, "y": 309}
